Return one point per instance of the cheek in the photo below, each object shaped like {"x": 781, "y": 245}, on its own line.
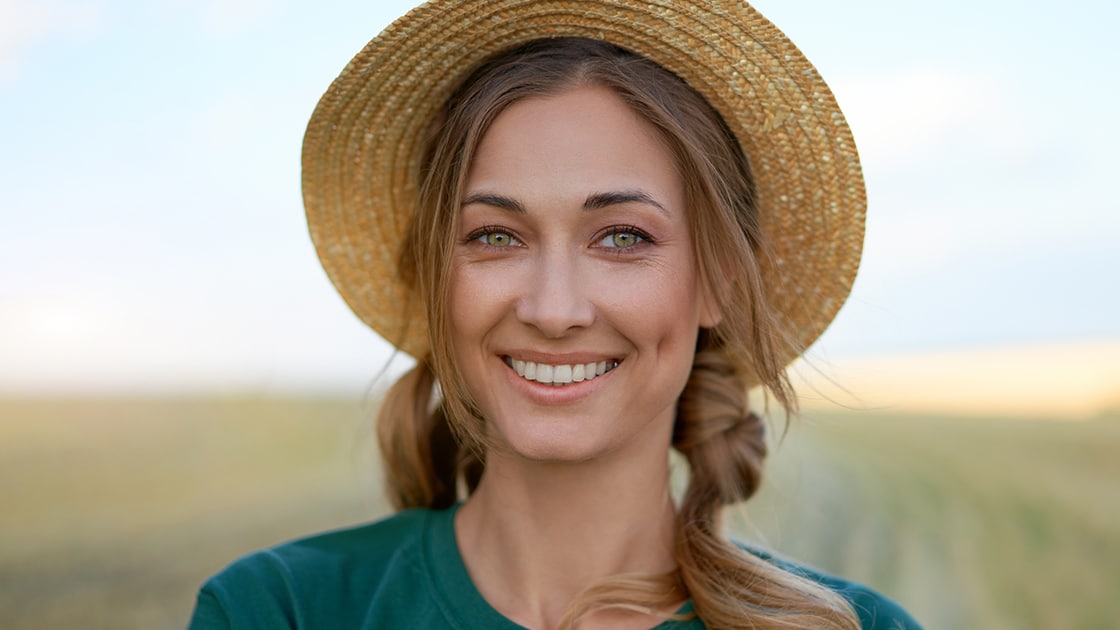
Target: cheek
{"x": 659, "y": 306}
{"x": 462, "y": 309}
{"x": 476, "y": 300}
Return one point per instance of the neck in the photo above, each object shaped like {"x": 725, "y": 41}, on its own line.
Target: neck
{"x": 534, "y": 535}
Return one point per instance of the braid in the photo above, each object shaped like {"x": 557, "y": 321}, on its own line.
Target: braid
{"x": 724, "y": 443}
{"x": 418, "y": 450}
{"x": 725, "y": 446}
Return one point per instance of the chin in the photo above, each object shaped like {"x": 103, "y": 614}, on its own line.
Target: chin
{"x": 554, "y": 445}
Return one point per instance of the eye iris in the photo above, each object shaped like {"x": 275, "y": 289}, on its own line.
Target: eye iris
{"x": 497, "y": 239}
{"x": 624, "y": 239}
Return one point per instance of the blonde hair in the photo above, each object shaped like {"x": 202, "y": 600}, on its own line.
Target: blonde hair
{"x": 433, "y": 442}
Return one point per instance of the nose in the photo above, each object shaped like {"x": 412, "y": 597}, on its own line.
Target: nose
{"x": 554, "y": 300}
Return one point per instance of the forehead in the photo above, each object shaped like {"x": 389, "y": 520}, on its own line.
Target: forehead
{"x": 577, "y": 141}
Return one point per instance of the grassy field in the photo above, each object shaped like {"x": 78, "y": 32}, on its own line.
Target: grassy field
{"x": 114, "y": 511}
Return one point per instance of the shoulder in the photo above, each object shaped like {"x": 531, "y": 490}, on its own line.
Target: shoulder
{"x": 875, "y": 611}
{"x": 331, "y": 554}
{"x": 282, "y": 586}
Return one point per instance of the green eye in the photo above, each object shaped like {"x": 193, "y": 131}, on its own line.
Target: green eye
{"x": 625, "y": 239}
{"x": 621, "y": 240}
{"x": 497, "y": 239}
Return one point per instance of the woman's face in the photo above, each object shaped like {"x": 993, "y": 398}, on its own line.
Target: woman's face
{"x": 575, "y": 300}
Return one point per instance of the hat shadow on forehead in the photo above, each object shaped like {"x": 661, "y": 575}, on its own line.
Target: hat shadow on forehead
{"x": 365, "y": 142}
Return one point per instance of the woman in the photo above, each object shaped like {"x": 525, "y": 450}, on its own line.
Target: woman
{"x": 550, "y": 204}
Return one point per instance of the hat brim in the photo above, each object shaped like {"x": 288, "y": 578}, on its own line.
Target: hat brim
{"x": 364, "y": 142}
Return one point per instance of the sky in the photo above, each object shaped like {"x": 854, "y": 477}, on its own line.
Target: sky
{"x": 151, "y": 228}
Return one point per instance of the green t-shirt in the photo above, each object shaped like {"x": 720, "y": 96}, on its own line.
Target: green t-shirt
{"x": 404, "y": 572}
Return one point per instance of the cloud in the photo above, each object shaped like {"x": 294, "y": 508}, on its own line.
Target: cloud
{"x": 961, "y": 170}
{"x": 905, "y": 117}
{"x": 26, "y": 23}
{"x": 900, "y": 244}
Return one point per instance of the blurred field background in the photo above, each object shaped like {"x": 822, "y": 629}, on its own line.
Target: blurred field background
{"x": 115, "y": 510}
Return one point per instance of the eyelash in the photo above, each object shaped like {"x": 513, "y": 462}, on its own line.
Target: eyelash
{"x": 624, "y": 229}
{"x": 487, "y": 230}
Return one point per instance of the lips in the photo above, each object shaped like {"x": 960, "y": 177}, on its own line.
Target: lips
{"x": 560, "y": 374}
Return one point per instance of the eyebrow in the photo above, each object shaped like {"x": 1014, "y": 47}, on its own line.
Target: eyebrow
{"x": 498, "y": 201}
{"x": 594, "y": 201}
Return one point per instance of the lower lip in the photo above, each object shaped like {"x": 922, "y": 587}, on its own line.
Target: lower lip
{"x": 554, "y": 394}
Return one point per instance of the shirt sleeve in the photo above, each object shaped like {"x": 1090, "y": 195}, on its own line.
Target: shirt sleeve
{"x": 208, "y": 613}
{"x": 252, "y": 593}
{"x": 875, "y": 611}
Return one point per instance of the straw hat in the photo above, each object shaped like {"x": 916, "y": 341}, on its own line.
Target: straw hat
{"x": 361, "y": 153}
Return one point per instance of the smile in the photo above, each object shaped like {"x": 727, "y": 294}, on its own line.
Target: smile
{"x": 559, "y": 374}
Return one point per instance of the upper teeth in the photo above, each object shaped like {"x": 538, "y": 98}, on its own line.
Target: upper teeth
{"x": 560, "y": 374}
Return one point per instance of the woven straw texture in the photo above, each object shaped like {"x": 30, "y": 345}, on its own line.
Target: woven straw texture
{"x": 362, "y": 146}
